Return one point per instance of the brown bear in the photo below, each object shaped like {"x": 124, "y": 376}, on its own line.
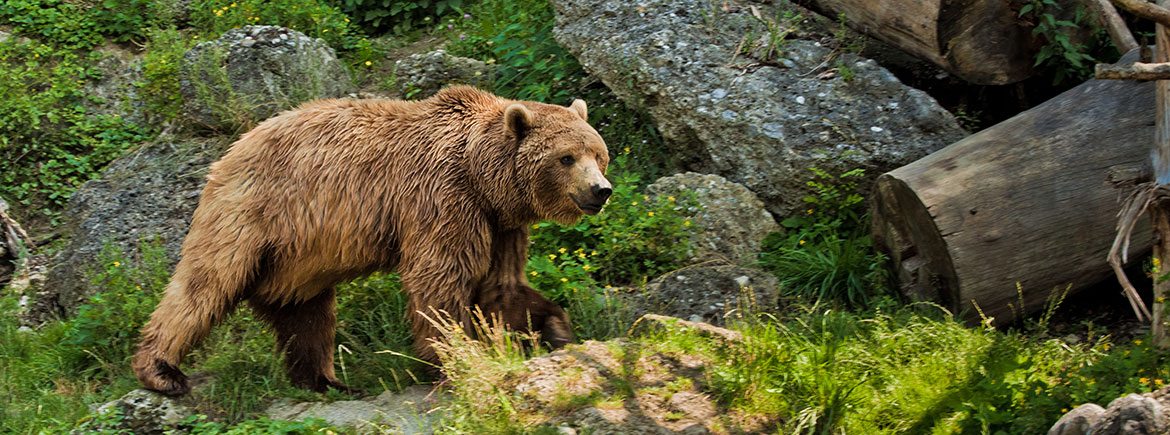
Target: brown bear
{"x": 441, "y": 190}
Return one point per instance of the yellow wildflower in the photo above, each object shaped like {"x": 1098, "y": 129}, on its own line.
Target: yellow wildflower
{"x": 1144, "y": 380}
{"x": 586, "y": 267}
{"x": 626, "y": 150}
{"x": 563, "y": 250}
{"x": 533, "y": 273}
{"x": 218, "y": 13}
{"x": 635, "y": 203}
{"x": 1138, "y": 342}
{"x": 686, "y": 223}
{"x": 581, "y": 255}
{"x": 670, "y": 198}
{"x": 1159, "y": 382}
{"x": 117, "y": 264}
{"x": 564, "y": 280}
{"x": 594, "y": 253}
{"x": 810, "y": 211}
{"x": 1105, "y": 346}
{"x": 552, "y": 256}
{"x": 368, "y": 63}
{"x": 650, "y": 213}
{"x": 802, "y": 241}
{"x": 233, "y": 5}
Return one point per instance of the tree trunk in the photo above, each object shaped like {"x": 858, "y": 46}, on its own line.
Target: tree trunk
{"x": 980, "y": 41}
{"x": 1032, "y": 200}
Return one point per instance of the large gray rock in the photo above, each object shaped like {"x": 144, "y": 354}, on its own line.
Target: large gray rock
{"x": 139, "y": 412}
{"x": 710, "y": 292}
{"x": 405, "y": 412}
{"x": 757, "y": 121}
{"x": 148, "y": 193}
{"x": 1078, "y": 421}
{"x": 114, "y": 92}
{"x": 730, "y": 221}
{"x": 422, "y": 75}
{"x": 254, "y": 72}
{"x": 1131, "y": 414}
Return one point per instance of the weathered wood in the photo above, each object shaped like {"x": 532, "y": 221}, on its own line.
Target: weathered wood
{"x": 1026, "y": 201}
{"x": 980, "y": 41}
{"x": 1157, "y": 13}
{"x": 1136, "y": 71}
{"x": 1160, "y": 212}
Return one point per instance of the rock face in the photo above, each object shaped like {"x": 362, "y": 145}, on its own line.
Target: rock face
{"x": 114, "y": 91}
{"x": 254, "y": 72}
{"x": 406, "y": 412}
{"x": 1132, "y": 414}
{"x": 142, "y": 412}
{"x": 710, "y": 292}
{"x": 148, "y": 193}
{"x": 668, "y": 395}
{"x": 731, "y": 220}
{"x": 422, "y": 75}
{"x": 760, "y": 121}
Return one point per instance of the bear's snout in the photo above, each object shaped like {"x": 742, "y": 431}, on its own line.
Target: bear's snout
{"x": 602, "y": 193}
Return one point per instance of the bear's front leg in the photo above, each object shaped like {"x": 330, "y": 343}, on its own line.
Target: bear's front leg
{"x": 521, "y": 308}
{"x": 505, "y": 293}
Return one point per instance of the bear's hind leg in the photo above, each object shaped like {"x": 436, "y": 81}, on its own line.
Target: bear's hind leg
{"x": 305, "y": 331}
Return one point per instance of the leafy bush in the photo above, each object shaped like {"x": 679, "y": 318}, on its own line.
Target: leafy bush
{"x": 159, "y": 87}
{"x": 827, "y": 254}
{"x": 49, "y": 142}
{"x": 397, "y": 15}
{"x": 517, "y": 35}
{"x": 315, "y": 18}
{"x": 1062, "y": 56}
{"x": 106, "y": 327}
{"x": 635, "y": 237}
{"x": 69, "y": 25}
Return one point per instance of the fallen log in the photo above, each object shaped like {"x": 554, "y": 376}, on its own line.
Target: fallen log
{"x": 980, "y": 41}
{"x": 1032, "y": 200}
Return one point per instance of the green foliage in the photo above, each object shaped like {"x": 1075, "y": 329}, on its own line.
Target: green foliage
{"x": 1062, "y": 55}
{"x": 159, "y": 87}
{"x": 635, "y": 237}
{"x": 49, "y": 142}
{"x": 70, "y": 25}
{"x": 517, "y": 35}
{"x": 106, "y": 328}
{"x": 374, "y": 335}
{"x": 827, "y": 254}
{"x": 315, "y": 18}
{"x": 397, "y": 15}
{"x": 198, "y": 425}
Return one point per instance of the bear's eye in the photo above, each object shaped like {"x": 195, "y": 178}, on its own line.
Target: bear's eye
{"x": 567, "y": 160}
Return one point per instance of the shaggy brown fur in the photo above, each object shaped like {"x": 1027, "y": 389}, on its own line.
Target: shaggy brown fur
{"x": 441, "y": 190}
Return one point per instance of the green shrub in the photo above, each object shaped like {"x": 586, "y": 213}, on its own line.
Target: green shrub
{"x": 397, "y": 15}
{"x": 634, "y": 238}
{"x": 159, "y": 87}
{"x": 49, "y": 142}
{"x": 315, "y": 18}
{"x": 827, "y": 254}
{"x": 517, "y": 35}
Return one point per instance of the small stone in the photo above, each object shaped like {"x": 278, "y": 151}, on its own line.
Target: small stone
{"x": 876, "y": 129}
{"x": 788, "y": 63}
{"x": 799, "y": 100}
{"x": 248, "y": 42}
{"x": 718, "y": 93}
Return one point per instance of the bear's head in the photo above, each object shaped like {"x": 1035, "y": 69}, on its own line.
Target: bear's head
{"x": 561, "y": 159}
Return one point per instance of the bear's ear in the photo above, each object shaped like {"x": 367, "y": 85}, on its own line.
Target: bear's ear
{"x": 518, "y": 120}
{"x": 579, "y": 107}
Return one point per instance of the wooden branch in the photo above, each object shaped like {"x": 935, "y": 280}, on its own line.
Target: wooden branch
{"x": 1114, "y": 24}
{"x": 1136, "y": 71}
{"x": 1147, "y": 10}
